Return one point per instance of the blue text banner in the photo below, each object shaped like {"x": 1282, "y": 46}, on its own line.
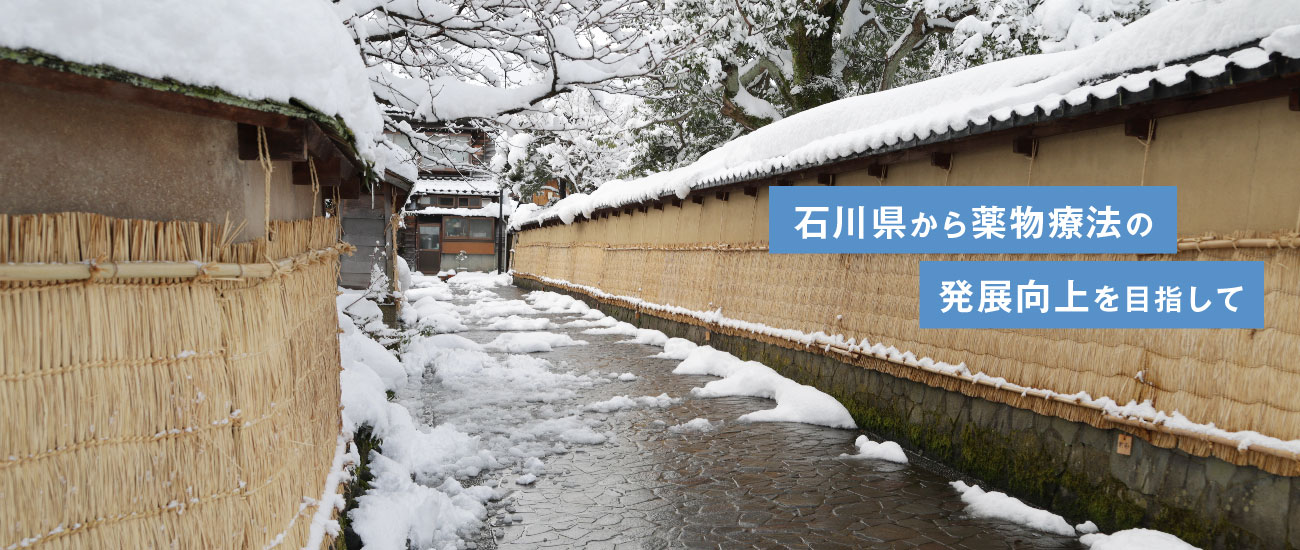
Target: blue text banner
{"x": 1150, "y": 294}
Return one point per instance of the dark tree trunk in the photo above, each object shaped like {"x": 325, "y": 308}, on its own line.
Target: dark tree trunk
{"x": 813, "y": 57}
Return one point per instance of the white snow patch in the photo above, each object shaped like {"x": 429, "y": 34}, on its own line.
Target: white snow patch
{"x": 998, "y": 505}
{"x": 486, "y": 309}
{"x": 795, "y": 402}
{"x": 698, "y": 425}
{"x": 554, "y": 302}
{"x": 639, "y": 335}
{"x": 530, "y": 342}
{"x": 1135, "y": 539}
{"x": 621, "y": 402}
{"x": 476, "y": 279}
{"x": 677, "y": 348}
{"x": 878, "y": 450}
{"x": 587, "y": 323}
{"x": 516, "y": 323}
{"x": 627, "y": 377}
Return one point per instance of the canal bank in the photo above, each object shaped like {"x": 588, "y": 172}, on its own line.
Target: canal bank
{"x": 529, "y": 420}
{"x": 1071, "y": 468}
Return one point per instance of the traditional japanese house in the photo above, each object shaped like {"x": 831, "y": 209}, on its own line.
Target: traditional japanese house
{"x": 1037, "y": 413}
{"x": 454, "y": 223}
{"x": 546, "y": 194}
{"x": 169, "y": 360}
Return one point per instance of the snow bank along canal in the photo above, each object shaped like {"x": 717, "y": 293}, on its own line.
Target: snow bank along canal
{"x": 532, "y": 421}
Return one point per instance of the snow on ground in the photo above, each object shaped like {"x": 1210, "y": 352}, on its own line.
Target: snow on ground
{"x": 554, "y": 302}
{"x": 496, "y": 410}
{"x": 997, "y": 505}
{"x": 470, "y": 419}
{"x": 487, "y": 309}
{"x": 639, "y": 335}
{"x": 623, "y": 402}
{"x": 516, "y": 323}
{"x": 878, "y": 450}
{"x": 474, "y": 279}
{"x": 795, "y": 402}
{"x": 1135, "y": 539}
{"x": 587, "y": 323}
{"x": 531, "y": 342}
{"x": 677, "y": 348}
{"x": 492, "y": 412}
{"x": 431, "y": 314}
{"x": 698, "y": 425}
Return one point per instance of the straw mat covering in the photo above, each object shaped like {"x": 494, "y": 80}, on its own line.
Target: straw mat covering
{"x": 179, "y": 413}
{"x": 1237, "y": 379}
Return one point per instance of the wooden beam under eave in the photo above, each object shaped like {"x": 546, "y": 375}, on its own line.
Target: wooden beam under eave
{"x": 1141, "y": 127}
{"x": 698, "y": 199}
{"x": 289, "y": 144}
{"x": 1293, "y": 100}
{"x": 941, "y": 160}
{"x": 329, "y": 171}
{"x": 350, "y": 188}
{"x": 878, "y": 170}
{"x": 751, "y": 191}
{"x": 826, "y": 178}
{"x": 677, "y": 203}
{"x": 659, "y": 205}
{"x": 722, "y": 195}
{"x": 1027, "y": 146}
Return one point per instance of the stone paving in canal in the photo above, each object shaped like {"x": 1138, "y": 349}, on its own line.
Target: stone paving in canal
{"x": 740, "y": 485}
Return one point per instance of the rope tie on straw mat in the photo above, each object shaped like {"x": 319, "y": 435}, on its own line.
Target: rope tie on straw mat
{"x": 1146, "y": 149}
{"x": 1033, "y": 156}
{"x": 315, "y": 185}
{"x": 264, "y": 157}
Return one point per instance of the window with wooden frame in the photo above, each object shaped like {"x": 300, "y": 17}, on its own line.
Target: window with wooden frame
{"x": 472, "y": 229}
{"x": 455, "y": 228}
{"x": 480, "y": 228}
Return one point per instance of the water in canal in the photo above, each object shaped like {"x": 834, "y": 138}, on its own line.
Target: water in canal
{"x": 645, "y": 482}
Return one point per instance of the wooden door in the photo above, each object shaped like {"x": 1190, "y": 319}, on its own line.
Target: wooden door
{"x": 429, "y": 252}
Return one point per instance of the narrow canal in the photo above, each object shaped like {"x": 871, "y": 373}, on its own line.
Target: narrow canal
{"x": 642, "y": 477}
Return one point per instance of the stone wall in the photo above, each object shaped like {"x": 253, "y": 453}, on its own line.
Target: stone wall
{"x": 1068, "y": 467}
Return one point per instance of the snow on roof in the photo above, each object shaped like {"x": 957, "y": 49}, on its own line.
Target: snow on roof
{"x": 277, "y": 51}
{"x": 457, "y": 186}
{"x": 492, "y": 210}
{"x": 1150, "y": 51}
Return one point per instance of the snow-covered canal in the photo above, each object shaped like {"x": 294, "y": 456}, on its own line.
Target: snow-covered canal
{"x": 531, "y": 421}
